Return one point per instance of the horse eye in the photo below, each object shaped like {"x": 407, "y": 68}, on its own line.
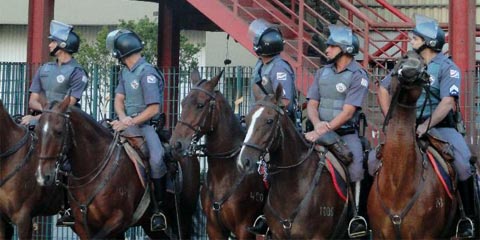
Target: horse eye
{"x": 269, "y": 121}
{"x": 200, "y": 105}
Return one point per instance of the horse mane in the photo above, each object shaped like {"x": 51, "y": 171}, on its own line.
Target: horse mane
{"x": 90, "y": 121}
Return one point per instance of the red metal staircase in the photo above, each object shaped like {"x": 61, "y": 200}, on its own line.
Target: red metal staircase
{"x": 234, "y": 16}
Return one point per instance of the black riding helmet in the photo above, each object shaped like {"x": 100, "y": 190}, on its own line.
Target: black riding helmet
{"x": 123, "y": 43}
{"x": 428, "y": 29}
{"x": 343, "y": 37}
{"x": 63, "y": 34}
{"x": 267, "y": 39}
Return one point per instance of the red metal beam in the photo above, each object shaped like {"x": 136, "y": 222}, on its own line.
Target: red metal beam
{"x": 40, "y": 13}
{"x": 168, "y": 48}
{"x": 462, "y": 48}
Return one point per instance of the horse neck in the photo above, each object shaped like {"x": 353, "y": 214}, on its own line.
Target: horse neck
{"x": 90, "y": 144}
{"x": 9, "y": 130}
{"x": 291, "y": 151}
{"x": 400, "y": 151}
{"x": 227, "y": 133}
{"x": 226, "y": 137}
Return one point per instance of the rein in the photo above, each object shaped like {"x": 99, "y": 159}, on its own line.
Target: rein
{"x": 288, "y": 222}
{"x": 17, "y": 145}
{"x": 94, "y": 174}
{"x": 397, "y": 218}
{"x": 25, "y": 158}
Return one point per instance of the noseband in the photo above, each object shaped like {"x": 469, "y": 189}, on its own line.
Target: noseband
{"x": 200, "y": 130}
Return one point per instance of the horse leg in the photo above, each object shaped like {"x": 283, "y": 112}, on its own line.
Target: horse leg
{"x": 214, "y": 232}
{"x": 242, "y": 233}
{"x": 24, "y": 226}
{"x": 6, "y": 229}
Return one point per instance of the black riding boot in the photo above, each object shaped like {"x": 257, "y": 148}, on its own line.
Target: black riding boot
{"x": 465, "y": 227}
{"x": 358, "y": 225}
{"x": 158, "y": 220}
{"x": 260, "y": 227}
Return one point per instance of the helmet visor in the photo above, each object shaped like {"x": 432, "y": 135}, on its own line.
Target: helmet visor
{"x": 256, "y": 29}
{"x": 340, "y": 35}
{"x": 426, "y": 26}
{"x": 59, "y": 30}
{"x": 110, "y": 41}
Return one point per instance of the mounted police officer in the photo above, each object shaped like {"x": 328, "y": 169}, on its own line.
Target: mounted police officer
{"x": 138, "y": 100}
{"x": 54, "y": 79}
{"x": 270, "y": 70}
{"x": 437, "y": 117}
{"x": 268, "y": 44}
{"x": 334, "y": 103}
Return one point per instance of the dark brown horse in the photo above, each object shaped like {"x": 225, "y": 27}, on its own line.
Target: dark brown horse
{"x": 407, "y": 200}
{"x": 105, "y": 192}
{"x": 21, "y": 198}
{"x": 231, "y": 199}
{"x": 302, "y": 202}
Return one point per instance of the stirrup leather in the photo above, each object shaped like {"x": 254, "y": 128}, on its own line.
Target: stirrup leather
{"x": 361, "y": 233}
{"x": 469, "y": 221}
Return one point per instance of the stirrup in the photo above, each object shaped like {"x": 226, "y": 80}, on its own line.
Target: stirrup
{"x": 156, "y": 215}
{"x": 256, "y": 229}
{"x": 358, "y": 233}
{"x": 468, "y": 221}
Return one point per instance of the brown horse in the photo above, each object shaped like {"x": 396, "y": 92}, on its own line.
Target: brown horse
{"x": 105, "y": 193}
{"x": 231, "y": 199}
{"x": 302, "y": 201}
{"x": 407, "y": 200}
{"x": 21, "y": 198}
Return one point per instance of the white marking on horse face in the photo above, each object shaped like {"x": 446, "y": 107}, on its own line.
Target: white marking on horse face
{"x": 255, "y": 116}
{"x": 40, "y": 179}
{"x": 45, "y": 128}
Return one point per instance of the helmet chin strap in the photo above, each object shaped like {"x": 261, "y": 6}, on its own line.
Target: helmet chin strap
{"x": 55, "y": 50}
{"x": 333, "y": 60}
{"x": 421, "y": 48}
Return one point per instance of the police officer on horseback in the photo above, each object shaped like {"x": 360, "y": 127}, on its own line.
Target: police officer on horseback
{"x": 334, "y": 103}
{"x": 270, "y": 70}
{"x": 138, "y": 100}
{"x": 52, "y": 82}
{"x": 436, "y": 114}
{"x": 53, "y": 79}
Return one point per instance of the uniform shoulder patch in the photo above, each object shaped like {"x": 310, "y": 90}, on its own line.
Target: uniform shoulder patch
{"x": 281, "y": 76}
{"x": 151, "y": 79}
{"x": 454, "y": 73}
{"x": 364, "y": 82}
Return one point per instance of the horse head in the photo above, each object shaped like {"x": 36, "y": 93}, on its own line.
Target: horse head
{"x": 197, "y": 117}
{"x": 54, "y": 133}
{"x": 410, "y": 74}
{"x": 264, "y": 128}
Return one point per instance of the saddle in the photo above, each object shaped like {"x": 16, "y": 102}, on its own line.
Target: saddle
{"x": 332, "y": 141}
{"x": 443, "y": 148}
{"x": 134, "y": 137}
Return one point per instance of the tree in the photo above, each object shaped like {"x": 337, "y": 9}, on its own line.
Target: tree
{"x": 147, "y": 29}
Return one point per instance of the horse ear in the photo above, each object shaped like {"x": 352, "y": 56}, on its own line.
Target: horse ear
{"x": 215, "y": 79}
{"x": 258, "y": 92}
{"x": 195, "y": 76}
{"x": 279, "y": 93}
{"x": 64, "y": 104}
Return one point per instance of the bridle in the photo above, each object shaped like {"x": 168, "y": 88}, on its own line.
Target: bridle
{"x": 60, "y": 158}
{"x": 420, "y": 79}
{"x": 201, "y": 129}
{"x": 275, "y": 141}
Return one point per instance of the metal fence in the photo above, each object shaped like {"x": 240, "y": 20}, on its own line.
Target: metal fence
{"x": 99, "y": 96}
